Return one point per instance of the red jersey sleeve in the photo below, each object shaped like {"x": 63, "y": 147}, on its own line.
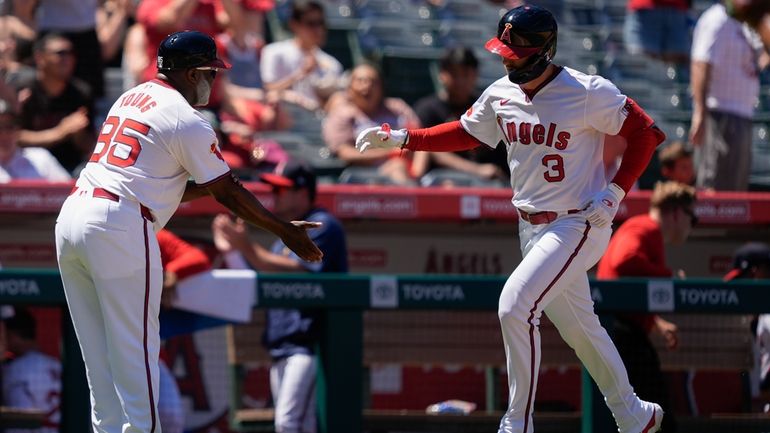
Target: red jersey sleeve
{"x": 643, "y": 137}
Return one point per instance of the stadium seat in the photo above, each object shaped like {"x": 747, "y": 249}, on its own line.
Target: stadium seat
{"x": 470, "y": 11}
{"x": 394, "y": 9}
{"x": 364, "y": 176}
{"x": 304, "y": 121}
{"x": 409, "y": 75}
{"x": 759, "y": 179}
{"x": 448, "y": 177}
{"x": 470, "y": 34}
{"x": 376, "y": 35}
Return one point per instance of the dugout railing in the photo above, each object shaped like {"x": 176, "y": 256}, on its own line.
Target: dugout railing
{"x": 345, "y": 297}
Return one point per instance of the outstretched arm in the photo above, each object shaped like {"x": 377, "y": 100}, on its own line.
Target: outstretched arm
{"x": 228, "y": 191}
{"x": 446, "y": 137}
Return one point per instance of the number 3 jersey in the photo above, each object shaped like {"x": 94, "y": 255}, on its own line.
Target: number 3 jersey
{"x": 151, "y": 143}
{"x": 554, "y": 139}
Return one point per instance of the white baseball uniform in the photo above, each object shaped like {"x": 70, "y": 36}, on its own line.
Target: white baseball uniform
{"x": 554, "y": 140}
{"x": 150, "y": 144}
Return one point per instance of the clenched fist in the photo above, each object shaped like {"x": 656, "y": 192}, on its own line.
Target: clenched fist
{"x": 381, "y": 137}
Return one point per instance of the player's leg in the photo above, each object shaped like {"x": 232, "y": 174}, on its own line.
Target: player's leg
{"x": 552, "y": 260}
{"x": 573, "y": 315}
{"x": 128, "y": 282}
{"x": 87, "y": 319}
{"x": 295, "y": 397}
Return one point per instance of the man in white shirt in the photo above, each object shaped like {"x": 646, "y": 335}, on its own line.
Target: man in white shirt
{"x": 298, "y": 67}
{"x": 725, "y": 84}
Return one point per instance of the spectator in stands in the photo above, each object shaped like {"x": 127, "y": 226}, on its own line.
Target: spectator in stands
{"x": 658, "y": 29}
{"x": 55, "y": 111}
{"x": 243, "y": 41}
{"x": 676, "y": 163}
{"x": 298, "y": 67}
{"x": 637, "y": 250}
{"x": 724, "y": 78}
{"x": 159, "y": 18}
{"x": 31, "y": 379}
{"x": 458, "y": 74}
{"x": 752, "y": 262}
{"x": 112, "y": 19}
{"x": 26, "y": 163}
{"x": 14, "y": 74}
{"x": 134, "y": 60}
{"x": 290, "y": 334}
{"x": 364, "y": 105}
{"x": 248, "y": 153}
{"x": 76, "y": 20}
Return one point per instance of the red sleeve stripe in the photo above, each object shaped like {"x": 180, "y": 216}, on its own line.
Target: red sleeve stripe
{"x": 446, "y": 137}
{"x": 642, "y": 137}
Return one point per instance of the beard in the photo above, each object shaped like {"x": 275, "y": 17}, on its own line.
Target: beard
{"x": 202, "y": 93}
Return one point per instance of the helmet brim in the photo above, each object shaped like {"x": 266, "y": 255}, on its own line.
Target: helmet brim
{"x": 496, "y": 46}
{"x": 216, "y": 63}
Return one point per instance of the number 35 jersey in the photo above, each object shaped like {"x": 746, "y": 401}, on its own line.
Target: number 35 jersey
{"x": 554, "y": 137}
{"x": 151, "y": 143}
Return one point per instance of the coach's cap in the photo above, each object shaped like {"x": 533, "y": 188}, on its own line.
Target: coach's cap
{"x": 746, "y": 257}
{"x": 294, "y": 174}
{"x": 189, "y": 49}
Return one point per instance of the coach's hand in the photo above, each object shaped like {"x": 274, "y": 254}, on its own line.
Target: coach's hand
{"x": 381, "y": 137}
{"x": 601, "y": 210}
{"x": 297, "y": 240}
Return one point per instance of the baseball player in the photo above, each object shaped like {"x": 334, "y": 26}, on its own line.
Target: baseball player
{"x": 152, "y": 141}
{"x": 552, "y": 120}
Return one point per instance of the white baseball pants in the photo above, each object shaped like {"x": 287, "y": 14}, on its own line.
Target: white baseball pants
{"x": 292, "y": 382}
{"x": 552, "y": 277}
{"x": 111, "y": 269}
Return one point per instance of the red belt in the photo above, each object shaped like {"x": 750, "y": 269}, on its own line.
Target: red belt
{"x": 544, "y": 217}
{"x": 103, "y": 193}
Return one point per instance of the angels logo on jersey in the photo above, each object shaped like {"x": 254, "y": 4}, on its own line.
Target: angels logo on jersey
{"x": 215, "y": 151}
{"x": 528, "y": 133}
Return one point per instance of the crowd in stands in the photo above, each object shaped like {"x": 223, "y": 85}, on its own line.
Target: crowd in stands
{"x": 296, "y": 90}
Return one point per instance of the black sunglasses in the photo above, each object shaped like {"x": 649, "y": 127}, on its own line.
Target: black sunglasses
{"x": 62, "y": 53}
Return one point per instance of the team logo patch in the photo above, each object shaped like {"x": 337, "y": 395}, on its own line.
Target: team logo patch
{"x": 215, "y": 151}
{"x": 506, "y": 35}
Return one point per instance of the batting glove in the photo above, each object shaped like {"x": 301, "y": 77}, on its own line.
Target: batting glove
{"x": 601, "y": 210}
{"x": 381, "y": 137}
